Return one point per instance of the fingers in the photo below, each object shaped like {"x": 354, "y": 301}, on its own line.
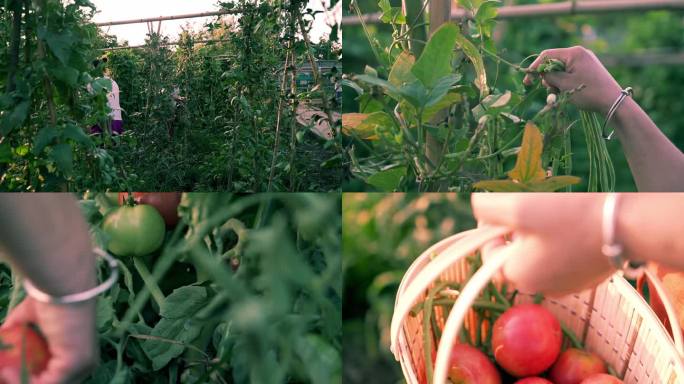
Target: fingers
{"x": 10, "y": 376}
{"x": 496, "y": 208}
{"x": 558, "y": 53}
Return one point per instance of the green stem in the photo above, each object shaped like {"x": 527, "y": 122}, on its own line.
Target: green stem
{"x": 149, "y": 281}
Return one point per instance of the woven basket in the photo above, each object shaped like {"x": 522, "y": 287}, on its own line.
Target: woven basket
{"x": 612, "y": 320}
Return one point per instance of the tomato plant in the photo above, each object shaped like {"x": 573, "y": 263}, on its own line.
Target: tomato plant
{"x": 246, "y": 288}
{"x": 134, "y": 231}
{"x": 23, "y": 345}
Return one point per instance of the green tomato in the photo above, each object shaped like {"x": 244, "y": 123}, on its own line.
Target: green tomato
{"x": 134, "y": 231}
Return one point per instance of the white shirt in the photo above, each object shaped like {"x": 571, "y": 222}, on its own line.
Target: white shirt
{"x": 112, "y": 99}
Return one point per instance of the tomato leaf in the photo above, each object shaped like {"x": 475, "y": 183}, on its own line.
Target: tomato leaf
{"x": 528, "y": 166}
{"x": 63, "y": 156}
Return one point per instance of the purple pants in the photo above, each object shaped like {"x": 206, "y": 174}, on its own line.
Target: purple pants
{"x": 117, "y": 128}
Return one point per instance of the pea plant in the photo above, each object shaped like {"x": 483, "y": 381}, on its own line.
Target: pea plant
{"x": 217, "y": 116}
{"x": 44, "y": 106}
{"x": 244, "y": 289}
{"x": 432, "y": 117}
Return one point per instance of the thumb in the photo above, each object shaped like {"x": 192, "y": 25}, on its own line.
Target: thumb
{"x": 560, "y": 80}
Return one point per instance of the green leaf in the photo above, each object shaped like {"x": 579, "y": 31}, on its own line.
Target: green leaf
{"x": 487, "y": 11}
{"x": 328, "y": 364}
{"x": 387, "y": 180}
{"x": 391, "y": 14}
{"x": 435, "y": 61}
{"x": 171, "y": 336}
{"x": 104, "y": 313}
{"x": 415, "y": 93}
{"x": 101, "y": 85}
{"x": 77, "y": 134}
{"x": 44, "y": 138}
{"x": 440, "y": 89}
{"x": 184, "y": 301}
{"x": 65, "y": 74}
{"x": 14, "y": 118}
{"x": 389, "y": 89}
{"x": 352, "y": 85}
{"x": 474, "y": 55}
{"x": 446, "y": 101}
{"x": 5, "y": 153}
{"x": 60, "y": 43}
{"x": 63, "y": 157}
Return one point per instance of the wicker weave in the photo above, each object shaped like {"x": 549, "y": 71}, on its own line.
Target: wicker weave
{"x": 612, "y": 320}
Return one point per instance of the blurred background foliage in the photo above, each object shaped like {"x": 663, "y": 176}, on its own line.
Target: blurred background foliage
{"x": 381, "y": 235}
{"x": 618, "y": 35}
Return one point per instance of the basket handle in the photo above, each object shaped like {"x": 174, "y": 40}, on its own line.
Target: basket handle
{"x": 669, "y": 309}
{"x": 468, "y": 295}
{"x": 461, "y": 246}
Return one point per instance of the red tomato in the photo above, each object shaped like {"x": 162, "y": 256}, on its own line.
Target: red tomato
{"x": 526, "y": 340}
{"x": 468, "y": 365}
{"x": 602, "y": 378}
{"x": 575, "y": 365}
{"x": 165, "y": 202}
{"x": 533, "y": 380}
{"x": 36, "y": 352}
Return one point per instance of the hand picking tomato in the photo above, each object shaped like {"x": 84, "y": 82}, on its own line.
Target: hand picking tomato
{"x": 575, "y": 365}
{"x": 36, "y": 352}
{"x": 526, "y": 340}
{"x": 602, "y": 378}
{"x": 468, "y": 365}
{"x": 165, "y": 202}
{"x": 533, "y": 380}
{"x": 134, "y": 231}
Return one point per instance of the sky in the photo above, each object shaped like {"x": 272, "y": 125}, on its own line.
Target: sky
{"x": 114, "y": 10}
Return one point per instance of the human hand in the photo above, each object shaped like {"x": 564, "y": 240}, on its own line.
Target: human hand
{"x": 70, "y": 334}
{"x": 556, "y": 244}
{"x": 582, "y": 67}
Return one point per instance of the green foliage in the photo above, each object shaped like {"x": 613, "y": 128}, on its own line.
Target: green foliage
{"x": 199, "y": 117}
{"x": 566, "y": 149}
{"x": 244, "y": 290}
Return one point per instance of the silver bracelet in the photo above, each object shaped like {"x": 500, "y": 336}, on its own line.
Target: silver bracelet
{"x": 80, "y": 297}
{"x": 623, "y": 94}
{"x": 611, "y": 248}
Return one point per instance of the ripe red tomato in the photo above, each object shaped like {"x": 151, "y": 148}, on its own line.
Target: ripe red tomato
{"x": 165, "y": 202}
{"x": 526, "y": 340}
{"x": 36, "y": 351}
{"x": 602, "y": 378}
{"x": 533, "y": 380}
{"x": 468, "y": 365}
{"x": 575, "y": 365}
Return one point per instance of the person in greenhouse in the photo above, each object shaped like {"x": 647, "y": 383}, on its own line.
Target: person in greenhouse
{"x": 116, "y": 123}
{"x": 564, "y": 243}
{"x": 46, "y": 238}
{"x": 656, "y": 163}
